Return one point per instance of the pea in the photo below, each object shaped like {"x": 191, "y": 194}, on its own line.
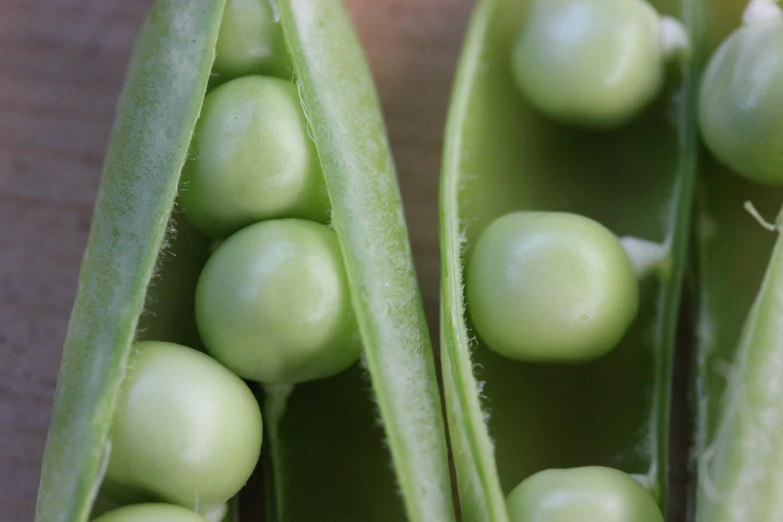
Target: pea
{"x": 550, "y": 286}
{"x": 151, "y": 513}
{"x": 250, "y": 40}
{"x": 272, "y": 303}
{"x": 592, "y": 63}
{"x": 741, "y": 101}
{"x": 252, "y": 159}
{"x": 587, "y": 494}
{"x": 185, "y": 429}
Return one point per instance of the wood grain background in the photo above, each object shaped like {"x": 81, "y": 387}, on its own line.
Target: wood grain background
{"x": 61, "y": 69}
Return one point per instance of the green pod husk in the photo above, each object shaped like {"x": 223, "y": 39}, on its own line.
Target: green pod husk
{"x": 735, "y": 470}
{"x": 508, "y": 419}
{"x": 142, "y": 262}
{"x": 736, "y": 467}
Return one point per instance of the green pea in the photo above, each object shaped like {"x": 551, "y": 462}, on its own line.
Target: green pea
{"x": 272, "y": 303}
{"x": 185, "y": 429}
{"x": 151, "y": 513}
{"x": 250, "y": 40}
{"x": 741, "y": 102}
{"x": 587, "y": 494}
{"x": 550, "y": 286}
{"x": 593, "y": 63}
{"x": 252, "y": 159}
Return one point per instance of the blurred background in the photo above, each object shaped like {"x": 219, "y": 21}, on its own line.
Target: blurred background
{"x": 61, "y": 69}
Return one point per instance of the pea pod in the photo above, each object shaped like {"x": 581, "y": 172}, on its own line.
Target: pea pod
{"x": 736, "y": 474}
{"x": 143, "y": 260}
{"x": 509, "y": 419}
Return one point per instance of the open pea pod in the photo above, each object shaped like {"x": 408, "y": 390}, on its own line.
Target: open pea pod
{"x": 138, "y": 281}
{"x": 738, "y": 346}
{"x": 511, "y": 419}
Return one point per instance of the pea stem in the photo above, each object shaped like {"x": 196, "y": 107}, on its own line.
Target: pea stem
{"x": 751, "y": 209}
{"x": 275, "y": 405}
{"x": 761, "y": 11}
{"x": 216, "y": 515}
{"x": 645, "y": 256}
{"x": 675, "y": 40}
{"x": 275, "y": 10}
{"x": 649, "y": 482}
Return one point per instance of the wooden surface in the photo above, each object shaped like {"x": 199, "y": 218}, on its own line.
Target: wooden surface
{"x": 61, "y": 68}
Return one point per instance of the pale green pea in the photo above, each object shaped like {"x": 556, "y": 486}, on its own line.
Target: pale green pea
{"x": 250, "y": 40}
{"x": 587, "y": 494}
{"x": 550, "y": 286}
{"x": 592, "y": 63}
{"x": 741, "y": 102}
{"x": 272, "y": 303}
{"x": 151, "y": 513}
{"x": 252, "y": 159}
{"x": 185, "y": 429}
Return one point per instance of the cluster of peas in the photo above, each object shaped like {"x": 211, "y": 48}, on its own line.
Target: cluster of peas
{"x": 272, "y": 301}
{"x": 553, "y": 287}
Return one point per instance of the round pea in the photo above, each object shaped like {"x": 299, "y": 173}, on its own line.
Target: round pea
{"x": 272, "y": 303}
{"x": 588, "y": 494}
{"x": 185, "y": 429}
{"x": 151, "y": 513}
{"x": 252, "y": 159}
{"x": 550, "y": 287}
{"x": 250, "y": 41}
{"x": 741, "y": 102}
{"x": 592, "y": 63}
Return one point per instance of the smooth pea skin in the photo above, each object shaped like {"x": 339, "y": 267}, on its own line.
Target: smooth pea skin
{"x": 741, "y": 102}
{"x": 252, "y": 159}
{"x": 185, "y": 430}
{"x": 588, "y": 494}
{"x": 151, "y": 513}
{"x": 250, "y": 40}
{"x": 272, "y": 303}
{"x": 591, "y": 63}
{"x": 550, "y": 287}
